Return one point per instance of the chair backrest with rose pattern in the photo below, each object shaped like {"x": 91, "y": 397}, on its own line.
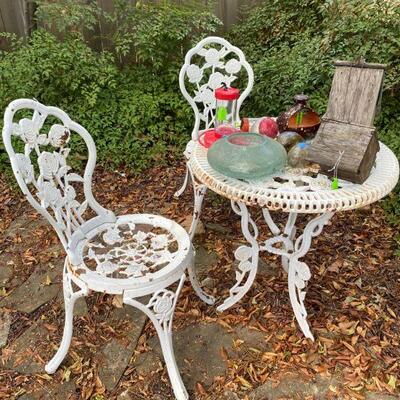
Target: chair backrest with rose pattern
{"x": 212, "y": 62}
{"x": 42, "y": 171}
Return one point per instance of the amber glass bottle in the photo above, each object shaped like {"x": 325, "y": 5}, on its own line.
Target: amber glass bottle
{"x": 300, "y": 118}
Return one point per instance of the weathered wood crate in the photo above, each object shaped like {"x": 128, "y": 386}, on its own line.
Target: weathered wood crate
{"x": 347, "y": 126}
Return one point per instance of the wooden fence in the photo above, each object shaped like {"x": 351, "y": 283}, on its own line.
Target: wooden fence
{"x": 17, "y": 15}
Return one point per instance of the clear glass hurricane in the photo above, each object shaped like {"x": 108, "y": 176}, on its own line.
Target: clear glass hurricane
{"x": 247, "y": 156}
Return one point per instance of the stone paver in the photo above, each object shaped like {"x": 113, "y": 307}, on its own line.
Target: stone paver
{"x": 204, "y": 260}
{"x": 116, "y": 354}
{"x": 5, "y": 270}
{"x": 37, "y": 290}
{"x": 291, "y": 386}
{"x": 251, "y": 338}
{"x": 187, "y": 222}
{"x": 198, "y": 351}
{"x": 378, "y": 396}
{"x": 208, "y": 283}
{"x": 24, "y": 358}
{"x": 297, "y": 388}
{"x": 198, "y": 357}
{"x": 24, "y": 226}
{"x": 62, "y": 391}
{"x": 226, "y": 230}
{"x": 5, "y": 322}
{"x": 80, "y": 307}
{"x": 269, "y": 268}
{"x": 125, "y": 395}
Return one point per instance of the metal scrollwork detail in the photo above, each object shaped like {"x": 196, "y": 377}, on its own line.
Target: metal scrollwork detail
{"x": 162, "y": 303}
{"x": 53, "y": 186}
{"x": 204, "y": 93}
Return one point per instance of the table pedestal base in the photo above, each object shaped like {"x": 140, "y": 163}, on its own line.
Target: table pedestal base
{"x": 291, "y": 250}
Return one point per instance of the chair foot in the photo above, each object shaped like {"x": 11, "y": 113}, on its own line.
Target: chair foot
{"x": 160, "y": 310}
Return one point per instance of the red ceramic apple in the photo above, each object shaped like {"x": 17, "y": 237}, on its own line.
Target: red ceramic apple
{"x": 268, "y": 127}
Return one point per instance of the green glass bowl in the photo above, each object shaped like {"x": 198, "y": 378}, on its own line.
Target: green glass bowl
{"x": 247, "y": 156}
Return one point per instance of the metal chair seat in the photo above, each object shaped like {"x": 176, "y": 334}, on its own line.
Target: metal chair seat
{"x": 134, "y": 253}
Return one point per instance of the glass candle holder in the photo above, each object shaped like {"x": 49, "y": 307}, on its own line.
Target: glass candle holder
{"x": 226, "y": 110}
{"x": 208, "y": 138}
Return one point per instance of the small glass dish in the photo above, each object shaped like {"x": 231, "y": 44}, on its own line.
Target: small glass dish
{"x": 247, "y": 156}
{"x": 208, "y": 138}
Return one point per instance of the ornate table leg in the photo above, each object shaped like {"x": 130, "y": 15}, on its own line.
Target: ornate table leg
{"x": 298, "y": 271}
{"x": 247, "y": 257}
{"x": 288, "y": 236}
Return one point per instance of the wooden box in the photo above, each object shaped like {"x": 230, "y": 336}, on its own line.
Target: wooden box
{"x": 347, "y": 126}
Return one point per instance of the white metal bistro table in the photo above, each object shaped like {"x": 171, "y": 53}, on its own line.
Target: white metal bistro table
{"x": 293, "y": 192}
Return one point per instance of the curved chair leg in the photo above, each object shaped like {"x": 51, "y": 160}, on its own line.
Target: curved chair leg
{"x": 160, "y": 310}
{"x": 197, "y": 288}
{"x": 247, "y": 257}
{"x": 185, "y": 182}
{"x": 70, "y": 298}
{"x": 199, "y": 193}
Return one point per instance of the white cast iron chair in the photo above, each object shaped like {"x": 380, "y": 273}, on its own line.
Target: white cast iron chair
{"x": 131, "y": 255}
{"x": 212, "y": 62}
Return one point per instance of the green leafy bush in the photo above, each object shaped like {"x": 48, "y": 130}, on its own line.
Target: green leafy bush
{"x": 135, "y": 112}
{"x": 292, "y": 48}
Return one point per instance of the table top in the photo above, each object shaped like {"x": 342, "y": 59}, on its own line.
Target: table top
{"x": 295, "y": 191}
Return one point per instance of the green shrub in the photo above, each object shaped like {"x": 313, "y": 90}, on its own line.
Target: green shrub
{"x": 135, "y": 112}
{"x": 143, "y": 33}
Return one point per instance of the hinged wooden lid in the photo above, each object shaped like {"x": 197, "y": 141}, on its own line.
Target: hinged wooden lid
{"x": 355, "y": 92}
